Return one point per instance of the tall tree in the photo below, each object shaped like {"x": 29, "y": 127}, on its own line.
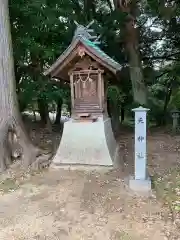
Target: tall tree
{"x": 39, "y": 36}
{"x": 131, "y": 41}
{"x": 10, "y": 119}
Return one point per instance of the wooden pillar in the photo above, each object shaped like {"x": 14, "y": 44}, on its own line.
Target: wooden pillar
{"x": 100, "y": 89}
{"x": 72, "y": 89}
{"x": 79, "y": 89}
{"x": 75, "y": 90}
{"x": 105, "y": 97}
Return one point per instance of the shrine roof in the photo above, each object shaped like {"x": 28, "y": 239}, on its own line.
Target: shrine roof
{"x": 101, "y": 54}
{"x": 92, "y": 48}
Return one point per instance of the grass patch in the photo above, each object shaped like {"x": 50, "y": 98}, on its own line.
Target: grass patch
{"x": 125, "y": 236}
{"x": 8, "y": 185}
{"x": 122, "y": 235}
{"x": 168, "y": 189}
{"x": 11, "y": 184}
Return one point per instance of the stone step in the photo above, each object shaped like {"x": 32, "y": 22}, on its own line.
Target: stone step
{"x": 87, "y": 115}
{"x": 87, "y": 110}
{"x": 87, "y": 107}
{"x": 82, "y": 103}
{"x": 87, "y": 103}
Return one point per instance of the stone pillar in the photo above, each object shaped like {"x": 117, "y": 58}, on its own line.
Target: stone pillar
{"x": 175, "y": 117}
{"x": 140, "y": 143}
{"x": 140, "y": 182}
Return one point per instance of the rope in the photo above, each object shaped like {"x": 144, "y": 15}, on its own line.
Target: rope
{"x": 85, "y": 80}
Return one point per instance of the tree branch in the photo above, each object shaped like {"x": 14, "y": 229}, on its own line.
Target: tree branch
{"x": 160, "y": 58}
{"x": 110, "y": 5}
{"x": 77, "y": 6}
{"x": 167, "y": 57}
{"x": 115, "y": 4}
{"x": 162, "y": 74}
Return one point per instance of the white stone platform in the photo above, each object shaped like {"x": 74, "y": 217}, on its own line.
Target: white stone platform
{"x": 140, "y": 186}
{"x": 87, "y": 143}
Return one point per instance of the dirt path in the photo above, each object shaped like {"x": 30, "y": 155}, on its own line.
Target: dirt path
{"x": 82, "y": 205}
{"x": 79, "y": 205}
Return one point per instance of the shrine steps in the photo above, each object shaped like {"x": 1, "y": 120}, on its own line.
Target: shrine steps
{"x": 91, "y": 116}
{"x": 86, "y": 104}
{"x": 87, "y": 107}
{"x": 91, "y": 110}
{"x": 91, "y": 113}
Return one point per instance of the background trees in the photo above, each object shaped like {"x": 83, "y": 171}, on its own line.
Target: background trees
{"x": 12, "y": 132}
{"x": 142, "y": 35}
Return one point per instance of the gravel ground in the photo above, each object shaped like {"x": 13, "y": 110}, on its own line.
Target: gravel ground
{"x": 81, "y": 205}
{"x": 92, "y": 204}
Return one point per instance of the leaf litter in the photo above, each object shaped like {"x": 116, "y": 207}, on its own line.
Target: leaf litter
{"x": 71, "y": 204}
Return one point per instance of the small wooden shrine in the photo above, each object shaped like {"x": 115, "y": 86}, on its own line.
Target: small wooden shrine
{"x": 84, "y": 65}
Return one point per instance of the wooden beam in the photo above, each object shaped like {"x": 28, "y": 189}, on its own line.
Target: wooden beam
{"x": 87, "y": 71}
{"x": 98, "y": 60}
{"x": 55, "y": 72}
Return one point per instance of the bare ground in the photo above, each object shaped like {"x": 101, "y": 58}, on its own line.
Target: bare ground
{"x": 92, "y": 204}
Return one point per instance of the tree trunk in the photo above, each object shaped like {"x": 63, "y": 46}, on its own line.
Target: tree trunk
{"x": 69, "y": 107}
{"x": 10, "y": 119}
{"x": 108, "y": 108}
{"x": 113, "y": 112}
{"x": 115, "y": 118}
{"x": 44, "y": 114}
{"x": 132, "y": 49}
{"x": 43, "y": 111}
{"x": 166, "y": 102}
{"x": 122, "y": 113}
{"x": 59, "y": 108}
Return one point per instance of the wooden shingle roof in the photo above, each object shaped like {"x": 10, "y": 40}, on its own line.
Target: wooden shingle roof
{"x": 90, "y": 48}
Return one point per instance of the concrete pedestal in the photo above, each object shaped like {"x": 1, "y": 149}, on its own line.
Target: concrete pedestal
{"x": 142, "y": 187}
{"x": 87, "y": 143}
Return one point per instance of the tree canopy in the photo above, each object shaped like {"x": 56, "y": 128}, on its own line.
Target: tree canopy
{"x": 42, "y": 30}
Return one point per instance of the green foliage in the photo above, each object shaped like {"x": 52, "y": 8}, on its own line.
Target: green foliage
{"x": 115, "y": 94}
{"x": 175, "y": 100}
{"x": 157, "y": 109}
{"x": 27, "y": 93}
{"x": 40, "y": 36}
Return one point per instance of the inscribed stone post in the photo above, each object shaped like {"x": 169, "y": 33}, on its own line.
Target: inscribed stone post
{"x": 140, "y": 143}
{"x": 175, "y": 116}
{"x": 140, "y": 181}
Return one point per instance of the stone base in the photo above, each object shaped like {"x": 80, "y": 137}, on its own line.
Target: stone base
{"x": 142, "y": 187}
{"x": 87, "y": 143}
